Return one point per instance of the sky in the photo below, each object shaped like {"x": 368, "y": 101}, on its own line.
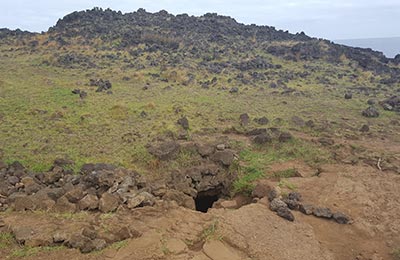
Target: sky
{"x": 329, "y": 19}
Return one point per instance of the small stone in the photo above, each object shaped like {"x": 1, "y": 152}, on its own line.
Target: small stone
{"x": 262, "y": 189}
{"x": 108, "y": 202}
{"x": 13, "y": 180}
{"x": 262, "y": 139}
{"x": 244, "y": 119}
{"x": 292, "y": 204}
{"x": 75, "y": 195}
{"x": 364, "y": 129}
{"x": 370, "y": 112}
{"x": 306, "y": 209}
{"x": 63, "y": 205}
{"x": 221, "y": 147}
{"x": 261, "y": 121}
{"x": 341, "y": 218}
{"x": 294, "y": 196}
{"x": 99, "y": 244}
{"x": 135, "y": 201}
{"x": 22, "y": 234}
{"x": 276, "y": 204}
{"x": 205, "y": 150}
{"x": 89, "y": 202}
{"x": 60, "y": 237}
{"x": 89, "y": 232}
{"x": 234, "y": 90}
{"x": 184, "y": 122}
{"x": 322, "y": 212}
{"x": 225, "y": 157}
{"x": 348, "y": 96}
{"x": 326, "y": 141}
{"x": 285, "y": 137}
{"x": 285, "y": 213}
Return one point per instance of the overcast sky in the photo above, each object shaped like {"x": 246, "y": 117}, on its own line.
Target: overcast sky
{"x": 330, "y": 19}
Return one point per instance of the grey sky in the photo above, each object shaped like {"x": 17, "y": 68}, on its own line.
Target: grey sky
{"x": 331, "y": 19}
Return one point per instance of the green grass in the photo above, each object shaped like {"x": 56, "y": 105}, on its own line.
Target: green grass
{"x": 27, "y": 251}
{"x": 211, "y": 231}
{"x": 6, "y": 240}
{"x": 287, "y": 184}
{"x": 257, "y": 159}
{"x": 396, "y": 254}
{"x": 288, "y": 173}
{"x": 120, "y": 244}
{"x": 41, "y": 119}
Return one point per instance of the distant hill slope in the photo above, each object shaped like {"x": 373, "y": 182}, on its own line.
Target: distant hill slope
{"x": 389, "y": 46}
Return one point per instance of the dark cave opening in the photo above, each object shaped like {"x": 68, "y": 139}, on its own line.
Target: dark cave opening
{"x": 205, "y": 200}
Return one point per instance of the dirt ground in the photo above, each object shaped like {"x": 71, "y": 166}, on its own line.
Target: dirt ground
{"x": 368, "y": 195}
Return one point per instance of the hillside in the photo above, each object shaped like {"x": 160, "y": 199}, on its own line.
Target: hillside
{"x": 154, "y": 136}
{"x": 389, "y": 46}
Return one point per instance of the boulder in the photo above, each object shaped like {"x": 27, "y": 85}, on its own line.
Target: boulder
{"x": 22, "y": 233}
{"x": 322, "y": 212}
{"x": 262, "y": 139}
{"x": 108, "y": 202}
{"x": 22, "y": 203}
{"x": 205, "y": 150}
{"x": 30, "y": 185}
{"x": 306, "y": 209}
{"x": 225, "y": 157}
{"x": 262, "y": 189}
{"x": 285, "y": 213}
{"x": 165, "y": 151}
{"x": 341, "y": 218}
{"x": 326, "y": 141}
{"x": 262, "y": 120}
{"x": 370, "y": 112}
{"x": 184, "y": 122}
{"x": 89, "y": 202}
{"x": 234, "y": 90}
{"x": 244, "y": 119}
{"x": 297, "y": 121}
{"x": 179, "y": 197}
{"x": 364, "y": 129}
{"x": 257, "y": 131}
{"x": 75, "y": 194}
{"x": 348, "y": 96}
{"x": 285, "y": 137}
{"x": 64, "y": 205}
{"x": 276, "y": 204}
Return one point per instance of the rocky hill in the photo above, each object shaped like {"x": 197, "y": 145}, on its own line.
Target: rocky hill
{"x": 154, "y": 136}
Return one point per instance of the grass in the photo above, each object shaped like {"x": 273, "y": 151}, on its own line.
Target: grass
{"x": 211, "y": 232}
{"x": 41, "y": 119}
{"x": 288, "y": 173}
{"x": 26, "y": 251}
{"x": 257, "y": 159}
{"x": 120, "y": 244}
{"x": 396, "y": 254}
{"x": 6, "y": 240}
{"x": 287, "y": 184}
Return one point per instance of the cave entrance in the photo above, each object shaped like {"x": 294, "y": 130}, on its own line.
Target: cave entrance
{"x": 205, "y": 200}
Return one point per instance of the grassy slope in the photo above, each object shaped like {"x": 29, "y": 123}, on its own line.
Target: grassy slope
{"x": 108, "y": 128}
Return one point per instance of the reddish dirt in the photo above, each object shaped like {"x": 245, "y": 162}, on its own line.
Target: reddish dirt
{"x": 369, "y": 196}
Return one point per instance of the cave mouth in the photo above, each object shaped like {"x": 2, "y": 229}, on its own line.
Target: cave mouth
{"x": 205, "y": 200}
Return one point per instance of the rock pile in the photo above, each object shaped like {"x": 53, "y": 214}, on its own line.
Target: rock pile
{"x": 101, "y": 84}
{"x": 101, "y": 187}
{"x": 391, "y": 104}
{"x": 283, "y": 207}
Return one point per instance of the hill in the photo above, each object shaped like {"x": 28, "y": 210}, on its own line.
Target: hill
{"x": 154, "y": 136}
{"x": 389, "y": 46}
